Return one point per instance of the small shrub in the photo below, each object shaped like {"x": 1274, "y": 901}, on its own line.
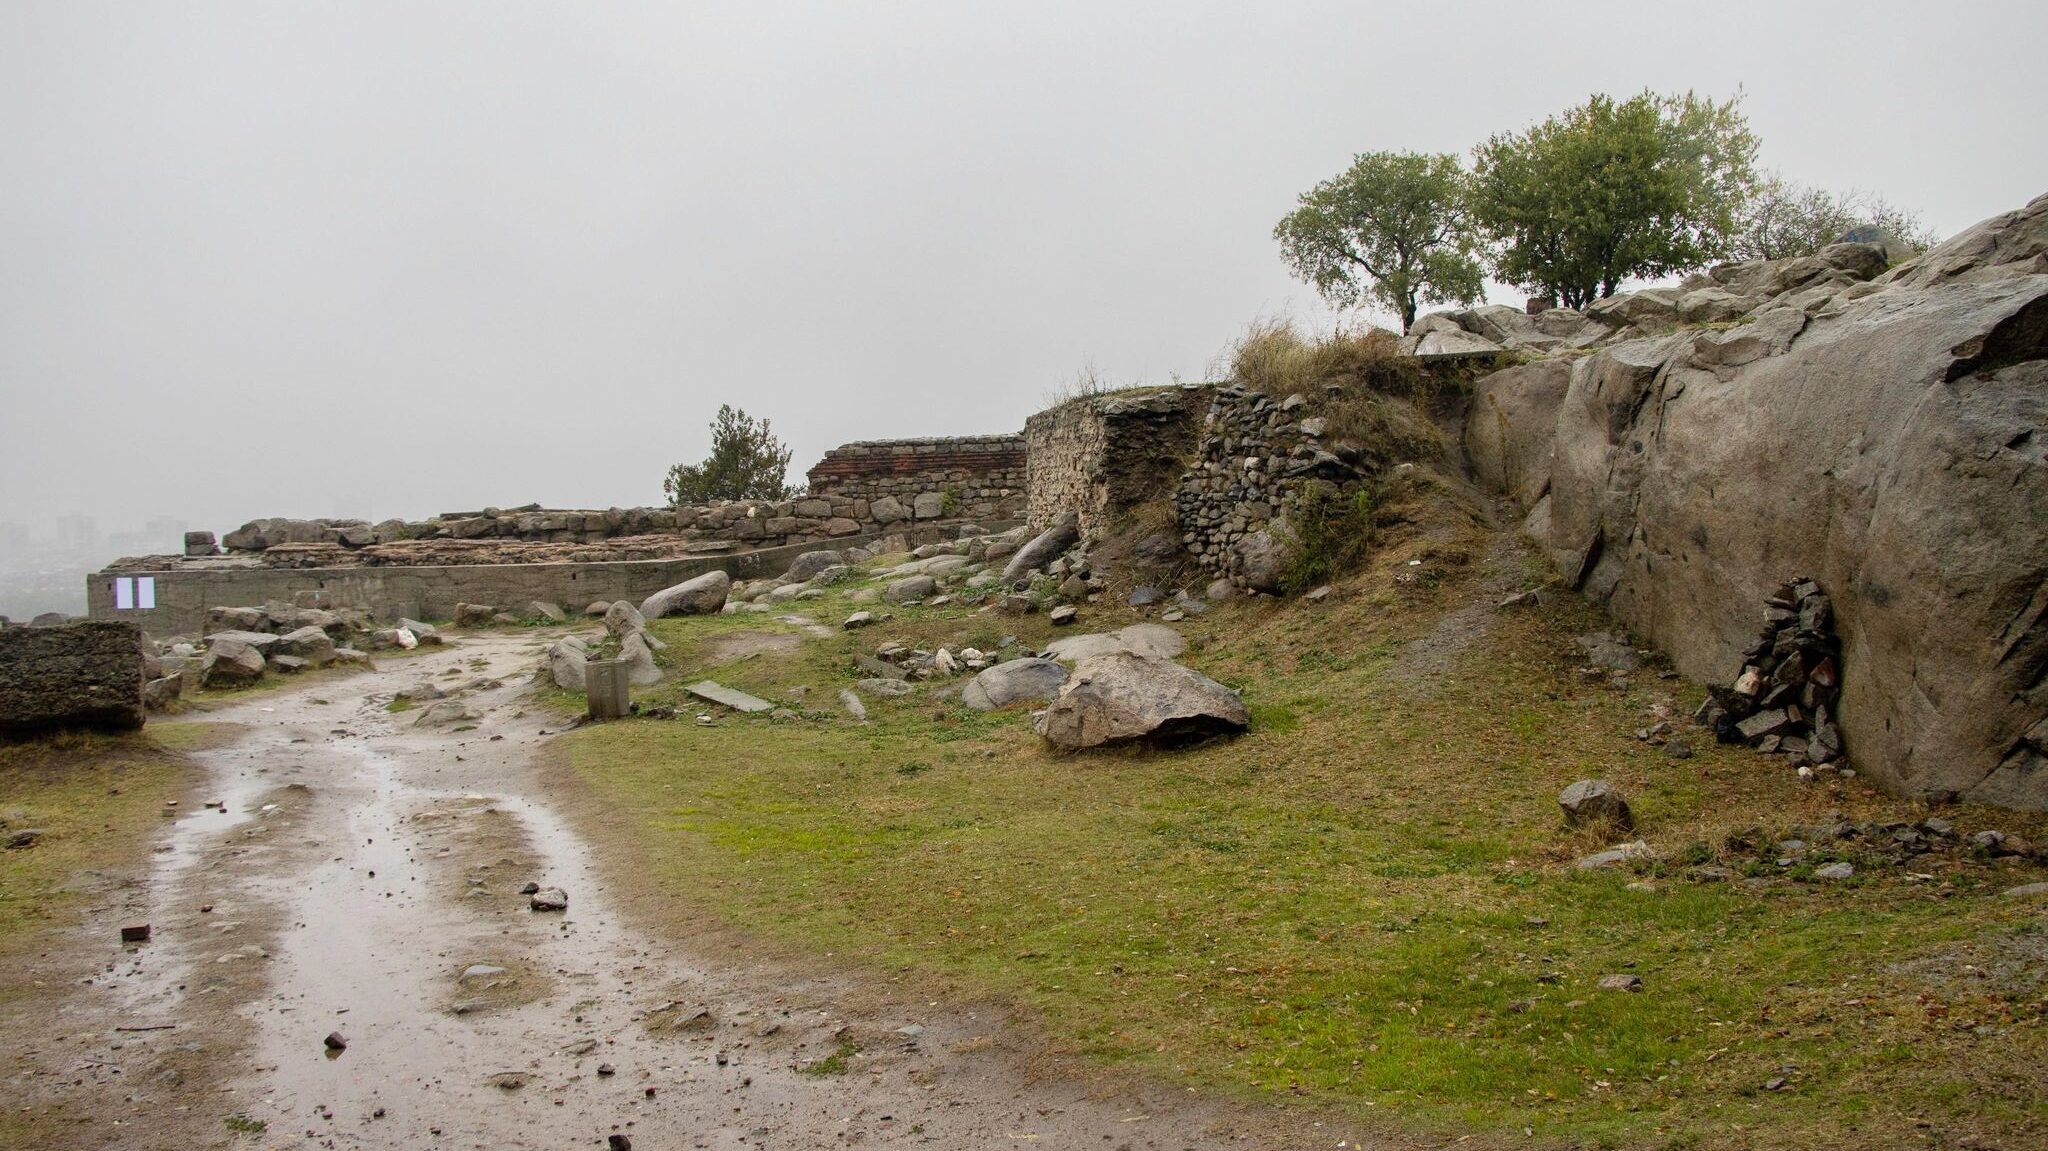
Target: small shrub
{"x": 1332, "y": 529}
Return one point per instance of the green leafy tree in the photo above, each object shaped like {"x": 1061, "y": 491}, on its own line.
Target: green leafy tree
{"x": 1613, "y": 190}
{"x": 1786, "y": 219}
{"x": 747, "y": 462}
{"x": 1392, "y": 229}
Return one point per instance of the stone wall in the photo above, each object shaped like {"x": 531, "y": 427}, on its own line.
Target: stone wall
{"x": 79, "y": 675}
{"x": 972, "y": 477}
{"x": 1254, "y": 454}
{"x": 185, "y": 591}
{"x": 1103, "y": 455}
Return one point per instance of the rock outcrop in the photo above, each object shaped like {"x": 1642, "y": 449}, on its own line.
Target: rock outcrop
{"x": 1882, "y": 436}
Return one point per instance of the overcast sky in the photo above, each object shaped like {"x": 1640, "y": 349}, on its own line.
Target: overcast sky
{"x": 393, "y": 259}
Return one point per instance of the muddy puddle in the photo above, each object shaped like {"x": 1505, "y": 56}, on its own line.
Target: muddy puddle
{"x": 362, "y": 878}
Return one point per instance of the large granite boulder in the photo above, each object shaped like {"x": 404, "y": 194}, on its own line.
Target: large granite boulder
{"x": 811, "y": 563}
{"x": 311, "y": 644}
{"x": 230, "y": 662}
{"x": 704, "y": 595}
{"x": 639, "y": 660}
{"x": 84, "y": 675}
{"x": 910, "y": 589}
{"x": 622, "y": 617}
{"x": 1882, "y": 438}
{"x": 1151, "y": 640}
{"x": 1126, "y": 698}
{"x": 1263, "y": 558}
{"x": 566, "y": 657}
{"x": 1014, "y": 681}
{"x": 1045, "y": 547}
{"x": 258, "y": 535}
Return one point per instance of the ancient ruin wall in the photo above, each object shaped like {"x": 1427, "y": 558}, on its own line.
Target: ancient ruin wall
{"x": 1101, "y": 456}
{"x": 185, "y": 592}
{"x": 1254, "y": 454}
{"x": 977, "y": 477}
{"x": 79, "y": 675}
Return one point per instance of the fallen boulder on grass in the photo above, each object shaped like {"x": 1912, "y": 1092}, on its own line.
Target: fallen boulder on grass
{"x": 704, "y": 595}
{"x": 566, "y": 657}
{"x": 1126, "y": 698}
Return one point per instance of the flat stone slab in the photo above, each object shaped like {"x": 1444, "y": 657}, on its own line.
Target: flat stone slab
{"x": 736, "y": 700}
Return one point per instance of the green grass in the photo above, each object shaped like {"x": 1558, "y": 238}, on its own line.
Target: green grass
{"x": 833, "y": 1064}
{"x": 99, "y": 799}
{"x": 1368, "y": 901}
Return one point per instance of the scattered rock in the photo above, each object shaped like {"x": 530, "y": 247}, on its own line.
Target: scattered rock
{"x": 474, "y": 614}
{"x": 737, "y": 700}
{"x": 1621, "y": 983}
{"x": 549, "y": 899}
{"x": 133, "y": 933}
{"x": 1062, "y": 615}
{"x": 1614, "y": 857}
{"x": 335, "y": 1041}
{"x": 1591, "y": 800}
{"x": 852, "y": 704}
{"x": 1834, "y": 871}
{"x": 859, "y": 619}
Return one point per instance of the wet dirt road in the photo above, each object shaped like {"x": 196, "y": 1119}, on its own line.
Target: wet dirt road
{"x": 363, "y": 877}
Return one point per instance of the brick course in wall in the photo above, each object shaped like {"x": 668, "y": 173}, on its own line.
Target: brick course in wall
{"x": 982, "y": 476}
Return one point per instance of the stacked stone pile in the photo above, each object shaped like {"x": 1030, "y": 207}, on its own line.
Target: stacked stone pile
{"x": 1784, "y": 699}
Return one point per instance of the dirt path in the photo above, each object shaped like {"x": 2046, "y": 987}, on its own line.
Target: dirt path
{"x": 363, "y": 877}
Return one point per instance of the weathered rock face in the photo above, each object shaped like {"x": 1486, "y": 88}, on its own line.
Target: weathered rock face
{"x": 76, "y": 675}
{"x": 1510, "y": 429}
{"x": 1124, "y": 698}
{"x": 701, "y": 596}
{"x": 1883, "y": 438}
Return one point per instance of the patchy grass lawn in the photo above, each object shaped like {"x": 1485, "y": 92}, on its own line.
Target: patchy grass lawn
{"x": 99, "y": 799}
{"x": 1369, "y": 900}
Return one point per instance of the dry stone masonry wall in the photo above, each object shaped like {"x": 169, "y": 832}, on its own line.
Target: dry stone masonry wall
{"x": 1100, "y": 456}
{"x": 78, "y": 675}
{"x": 1254, "y": 456}
{"x": 976, "y": 477}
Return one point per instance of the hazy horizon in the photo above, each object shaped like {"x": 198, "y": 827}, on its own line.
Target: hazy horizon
{"x": 388, "y": 260}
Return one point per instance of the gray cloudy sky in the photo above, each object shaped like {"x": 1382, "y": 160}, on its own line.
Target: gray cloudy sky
{"x": 391, "y": 259}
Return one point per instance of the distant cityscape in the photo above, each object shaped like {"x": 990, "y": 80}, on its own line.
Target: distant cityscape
{"x": 44, "y": 571}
